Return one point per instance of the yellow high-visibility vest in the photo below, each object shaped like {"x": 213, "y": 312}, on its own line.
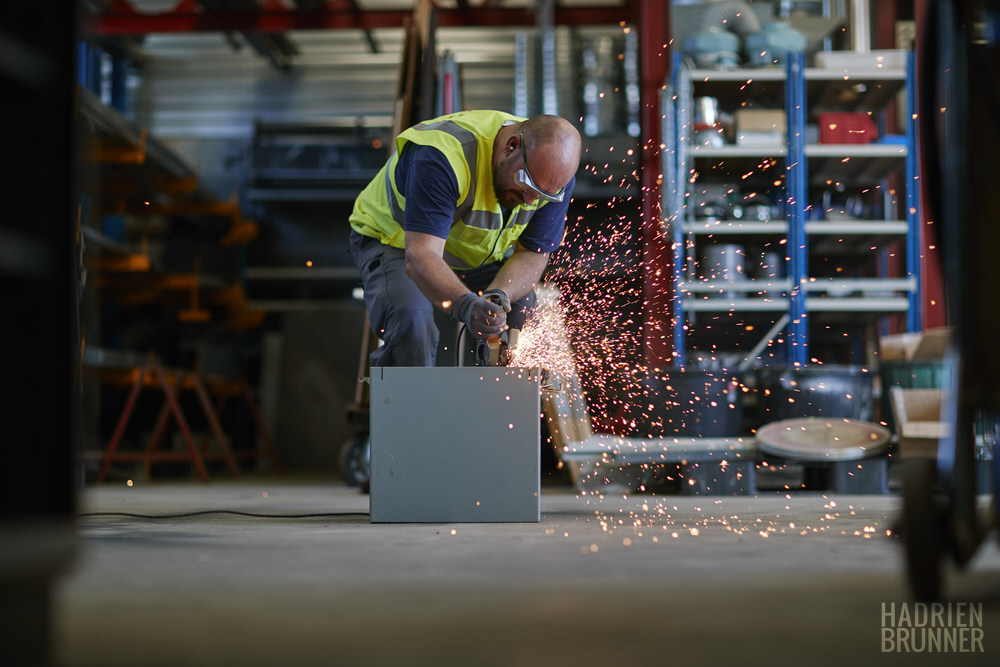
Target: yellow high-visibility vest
{"x": 479, "y": 234}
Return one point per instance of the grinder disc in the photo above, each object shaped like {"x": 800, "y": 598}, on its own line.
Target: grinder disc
{"x": 823, "y": 439}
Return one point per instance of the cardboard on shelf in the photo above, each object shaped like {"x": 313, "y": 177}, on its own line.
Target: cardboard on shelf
{"x": 931, "y": 344}
{"x": 760, "y": 126}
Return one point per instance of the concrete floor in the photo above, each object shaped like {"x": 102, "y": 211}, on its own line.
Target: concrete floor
{"x": 777, "y": 579}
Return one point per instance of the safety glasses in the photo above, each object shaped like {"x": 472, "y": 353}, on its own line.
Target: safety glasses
{"x": 523, "y": 178}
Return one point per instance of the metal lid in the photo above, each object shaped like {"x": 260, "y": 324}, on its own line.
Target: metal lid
{"x": 821, "y": 439}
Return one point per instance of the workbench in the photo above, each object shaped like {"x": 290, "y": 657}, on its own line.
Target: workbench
{"x": 706, "y": 466}
{"x": 718, "y": 465}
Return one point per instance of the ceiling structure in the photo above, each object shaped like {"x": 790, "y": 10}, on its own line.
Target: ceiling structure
{"x": 120, "y": 26}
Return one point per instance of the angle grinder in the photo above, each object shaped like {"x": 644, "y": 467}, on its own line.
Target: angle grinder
{"x": 496, "y": 350}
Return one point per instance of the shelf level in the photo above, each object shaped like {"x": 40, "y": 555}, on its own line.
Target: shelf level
{"x": 762, "y": 151}
{"x": 779, "y": 227}
{"x": 856, "y": 227}
{"x": 856, "y": 150}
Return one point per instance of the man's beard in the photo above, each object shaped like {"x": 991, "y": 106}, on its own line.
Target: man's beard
{"x": 508, "y": 198}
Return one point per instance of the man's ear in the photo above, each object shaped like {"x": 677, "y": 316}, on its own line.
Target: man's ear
{"x": 512, "y": 143}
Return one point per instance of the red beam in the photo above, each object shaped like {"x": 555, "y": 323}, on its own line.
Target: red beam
{"x": 658, "y": 274}
{"x": 127, "y": 23}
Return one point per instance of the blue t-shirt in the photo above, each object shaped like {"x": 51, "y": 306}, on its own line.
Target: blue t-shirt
{"x": 426, "y": 179}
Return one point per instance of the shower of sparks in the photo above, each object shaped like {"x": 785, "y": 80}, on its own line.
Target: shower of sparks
{"x": 588, "y": 318}
{"x": 592, "y": 311}
{"x": 664, "y": 517}
{"x": 588, "y": 323}
{"x": 544, "y": 341}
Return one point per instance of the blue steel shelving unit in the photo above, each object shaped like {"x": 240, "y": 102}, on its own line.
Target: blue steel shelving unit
{"x": 802, "y": 294}
{"x": 914, "y": 320}
{"x": 796, "y": 201}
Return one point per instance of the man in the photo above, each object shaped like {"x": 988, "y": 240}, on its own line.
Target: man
{"x": 462, "y": 218}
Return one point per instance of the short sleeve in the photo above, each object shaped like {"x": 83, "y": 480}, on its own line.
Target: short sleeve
{"x": 426, "y": 179}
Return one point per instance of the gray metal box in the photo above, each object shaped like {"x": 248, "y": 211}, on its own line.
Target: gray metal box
{"x": 455, "y": 445}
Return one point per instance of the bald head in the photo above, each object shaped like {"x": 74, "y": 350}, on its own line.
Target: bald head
{"x": 553, "y": 142}
{"x": 549, "y": 152}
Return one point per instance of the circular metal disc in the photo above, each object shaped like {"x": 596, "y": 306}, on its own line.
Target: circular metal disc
{"x": 823, "y": 439}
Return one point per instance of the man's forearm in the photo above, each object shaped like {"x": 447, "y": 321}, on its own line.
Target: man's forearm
{"x": 519, "y": 274}
{"x": 432, "y": 275}
{"x": 436, "y": 280}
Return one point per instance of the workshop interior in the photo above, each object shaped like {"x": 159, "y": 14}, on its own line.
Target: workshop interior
{"x": 775, "y": 283}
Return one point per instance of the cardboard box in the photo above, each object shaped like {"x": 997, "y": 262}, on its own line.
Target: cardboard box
{"x": 760, "y": 126}
{"x": 931, "y": 344}
{"x": 918, "y": 420}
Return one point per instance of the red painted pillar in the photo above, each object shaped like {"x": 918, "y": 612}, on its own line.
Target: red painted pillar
{"x": 653, "y": 23}
{"x": 935, "y": 312}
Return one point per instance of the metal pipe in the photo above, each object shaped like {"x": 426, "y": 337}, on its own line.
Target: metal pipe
{"x": 762, "y": 343}
{"x": 547, "y": 48}
{"x": 860, "y": 28}
{"x": 521, "y": 75}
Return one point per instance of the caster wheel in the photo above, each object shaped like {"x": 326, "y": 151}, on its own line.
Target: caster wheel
{"x": 924, "y": 528}
{"x": 355, "y": 460}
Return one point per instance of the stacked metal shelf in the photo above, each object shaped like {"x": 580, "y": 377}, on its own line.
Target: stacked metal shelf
{"x": 835, "y": 265}
{"x": 126, "y": 173}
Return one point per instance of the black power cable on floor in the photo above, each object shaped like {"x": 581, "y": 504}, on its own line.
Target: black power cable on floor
{"x": 184, "y": 515}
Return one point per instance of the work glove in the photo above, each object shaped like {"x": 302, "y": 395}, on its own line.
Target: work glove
{"x": 499, "y": 297}
{"x": 481, "y": 316}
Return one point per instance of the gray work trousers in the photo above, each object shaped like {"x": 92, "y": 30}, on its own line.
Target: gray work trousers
{"x": 403, "y": 318}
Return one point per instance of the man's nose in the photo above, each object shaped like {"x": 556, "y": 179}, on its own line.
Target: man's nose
{"x": 529, "y": 197}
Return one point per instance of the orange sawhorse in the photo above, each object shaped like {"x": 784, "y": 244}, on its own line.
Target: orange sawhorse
{"x": 171, "y": 381}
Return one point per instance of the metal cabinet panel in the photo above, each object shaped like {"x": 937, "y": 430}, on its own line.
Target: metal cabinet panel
{"x": 455, "y": 445}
